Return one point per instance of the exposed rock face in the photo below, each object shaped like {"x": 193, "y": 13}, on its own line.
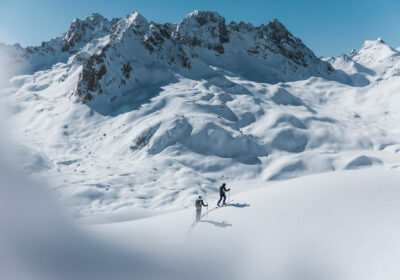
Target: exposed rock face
{"x": 92, "y": 72}
{"x": 204, "y": 29}
{"x": 285, "y": 43}
{"x": 72, "y": 44}
{"x": 120, "y": 55}
{"x": 352, "y": 53}
{"x": 83, "y": 31}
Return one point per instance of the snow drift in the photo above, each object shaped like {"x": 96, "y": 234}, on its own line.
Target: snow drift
{"x": 129, "y": 114}
{"x": 131, "y": 120}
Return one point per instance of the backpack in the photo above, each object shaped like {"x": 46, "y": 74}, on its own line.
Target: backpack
{"x": 198, "y": 204}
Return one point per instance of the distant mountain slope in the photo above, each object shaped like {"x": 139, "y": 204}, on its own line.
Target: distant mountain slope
{"x": 128, "y": 113}
{"x": 375, "y": 60}
{"x": 121, "y": 55}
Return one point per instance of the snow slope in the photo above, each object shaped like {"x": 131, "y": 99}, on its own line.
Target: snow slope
{"x": 341, "y": 225}
{"x": 374, "y": 61}
{"x": 39, "y": 242}
{"x": 187, "y": 139}
{"x": 130, "y": 118}
{"x": 337, "y": 225}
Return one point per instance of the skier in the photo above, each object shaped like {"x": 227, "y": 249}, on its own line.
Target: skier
{"x": 222, "y": 191}
{"x": 199, "y": 203}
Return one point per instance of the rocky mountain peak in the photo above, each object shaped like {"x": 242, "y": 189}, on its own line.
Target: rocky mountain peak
{"x": 134, "y": 23}
{"x": 121, "y": 55}
{"x": 352, "y": 53}
{"x": 83, "y": 31}
{"x": 277, "y": 32}
{"x": 201, "y": 18}
{"x": 285, "y": 43}
{"x": 374, "y": 51}
{"x": 203, "y": 28}
{"x": 240, "y": 27}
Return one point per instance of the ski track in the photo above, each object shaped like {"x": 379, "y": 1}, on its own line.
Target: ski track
{"x": 324, "y": 226}
{"x": 130, "y": 121}
{"x": 167, "y": 141}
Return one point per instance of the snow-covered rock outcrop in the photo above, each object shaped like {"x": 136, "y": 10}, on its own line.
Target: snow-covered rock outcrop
{"x": 82, "y": 36}
{"x": 374, "y": 61}
{"x": 122, "y": 55}
{"x": 139, "y": 53}
{"x": 128, "y": 112}
{"x": 373, "y": 52}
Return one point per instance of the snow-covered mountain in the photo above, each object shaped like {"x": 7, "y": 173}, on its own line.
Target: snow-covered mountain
{"x": 374, "y": 61}
{"x": 129, "y": 115}
{"x": 122, "y": 55}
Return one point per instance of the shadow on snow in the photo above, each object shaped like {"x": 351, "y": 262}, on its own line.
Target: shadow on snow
{"x": 222, "y": 224}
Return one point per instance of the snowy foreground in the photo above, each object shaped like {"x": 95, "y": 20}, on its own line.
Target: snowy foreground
{"x": 129, "y": 121}
{"x": 342, "y": 225}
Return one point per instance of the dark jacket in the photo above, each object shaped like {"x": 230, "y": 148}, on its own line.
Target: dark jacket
{"x": 222, "y": 190}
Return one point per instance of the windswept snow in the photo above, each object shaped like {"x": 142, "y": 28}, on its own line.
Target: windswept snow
{"x": 338, "y": 225}
{"x": 184, "y": 140}
{"x": 130, "y": 121}
{"x": 341, "y": 225}
{"x": 131, "y": 116}
{"x": 38, "y": 241}
{"x": 374, "y": 61}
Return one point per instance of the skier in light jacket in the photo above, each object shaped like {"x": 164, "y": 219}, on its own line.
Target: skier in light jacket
{"x": 199, "y": 204}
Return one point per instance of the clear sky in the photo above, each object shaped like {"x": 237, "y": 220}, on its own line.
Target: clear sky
{"x": 328, "y": 27}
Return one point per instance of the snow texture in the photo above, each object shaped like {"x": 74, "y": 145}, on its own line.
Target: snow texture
{"x": 129, "y": 118}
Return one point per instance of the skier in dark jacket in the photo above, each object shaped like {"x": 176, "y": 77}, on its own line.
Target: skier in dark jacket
{"x": 222, "y": 195}
{"x": 199, "y": 203}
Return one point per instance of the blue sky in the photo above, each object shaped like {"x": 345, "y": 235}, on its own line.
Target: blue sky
{"x": 328, "y": 27}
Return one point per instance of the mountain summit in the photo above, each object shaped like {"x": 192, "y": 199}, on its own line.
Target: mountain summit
{"x": 122, "y": 55}
{"x": 128, "y": 112}
{"x": 373, "y": 51}
{"x": 193, "y": 48}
